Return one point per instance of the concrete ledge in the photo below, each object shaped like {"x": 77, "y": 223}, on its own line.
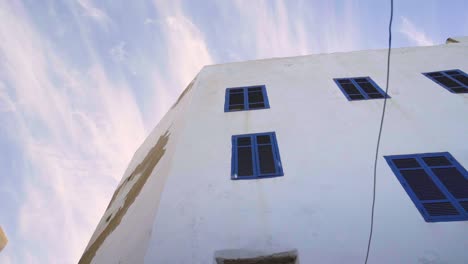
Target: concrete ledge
{"x": 244, "y": 256}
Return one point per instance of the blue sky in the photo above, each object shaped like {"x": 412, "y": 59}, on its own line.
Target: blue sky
{"x": 82, "y": 82}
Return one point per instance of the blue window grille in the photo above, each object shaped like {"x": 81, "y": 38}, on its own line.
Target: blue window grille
{"x": 436, "y": 183}
{"x": 360, "y": 88}
{"x": 255, "y": 156}
{"x": 455, "y": 81}
{"x": 246, "y": 98}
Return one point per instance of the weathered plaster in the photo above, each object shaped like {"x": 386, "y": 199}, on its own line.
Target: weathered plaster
{"x": 3, "y": 239}
{"x": 457, "y": 40}
{"x": 143, "y": 171}
{"x": 451, "y": 40}
{"x": 181, "y": 96}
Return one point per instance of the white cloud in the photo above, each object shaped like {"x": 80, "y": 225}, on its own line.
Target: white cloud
{"x": 187, "y": 49}
{"x": 6, "y": 103}
{"x": 414, "y": 34}
{"x": 277, "y": 29}
{"x": 92, "y": 11}
{"x": 150, "y": 21}
{"x": 118, "y": 52}
{"x": 77, "y": 129}
{"x": 271, "y": 29}
{"x": 187, "y": 53}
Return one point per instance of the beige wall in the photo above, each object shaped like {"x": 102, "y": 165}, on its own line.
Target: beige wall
{"x": 3, "y": 239}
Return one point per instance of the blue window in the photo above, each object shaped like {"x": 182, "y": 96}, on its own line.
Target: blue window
{"x": 255, "y": 156}
{"x": 455, "y": 81}
{"x": 360, "y": 88}
{"x": 246, "y": 98}
{"x": 436, "y": 182}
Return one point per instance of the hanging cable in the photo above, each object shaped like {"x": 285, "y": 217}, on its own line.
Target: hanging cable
{"x": 380, "y": 129}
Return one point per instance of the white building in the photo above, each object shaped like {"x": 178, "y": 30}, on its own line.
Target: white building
{"x": 184, "y": 199}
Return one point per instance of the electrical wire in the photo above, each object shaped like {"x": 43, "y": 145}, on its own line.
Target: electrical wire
{"x": 380, "y": 130}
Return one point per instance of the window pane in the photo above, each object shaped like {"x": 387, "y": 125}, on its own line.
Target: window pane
{"x": 244, "y": 161}
{"x": 461, "y": 78}
{"x": 452, "y": 72}
{"x": 360, "y": 80}
{"x": 422, "y": 185}
{"x": 263, "y": 139}
{"x": 454, "y": 181}
{"x": 437, "y": 161}
{"x": 236, "y": 107}
{"x": 460, "y": 90}
{"x": 350, "y": 88}
{"x": 368, "y": 88}
{"x": 343, "y": 81}
{"x": 464, "y": 204}
{"x": 257, "y": 88}
{"x": 406, "y": 163}
{"x": 435, "y": 74}
{"x": 237, "y": 98}
{"x": 267, "y": 161}
{"x": 243, "y": 141}
{"x": 377, "y": 95}
{"x": 237, "y": 90}
{"x": 356, "y": 97}
{"x": 447, "y": 81}
{"x": 256, "y": 106}
{"x": 255, "y": 97}
{"x": 440, "y": 209}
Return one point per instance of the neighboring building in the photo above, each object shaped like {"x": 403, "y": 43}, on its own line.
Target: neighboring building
{"x": 3, "y": 239}
{"x": 276, "y": 156}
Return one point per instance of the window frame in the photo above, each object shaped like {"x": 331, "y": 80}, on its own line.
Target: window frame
{"x": 450, "y": 77}
{"x": 361, "y": 91}
{"x": 246, "y": 98}
{"x": 255, "y": 157}
{"x": 463, "y": 216}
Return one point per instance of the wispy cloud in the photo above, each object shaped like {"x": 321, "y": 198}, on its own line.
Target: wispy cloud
{"x": 276, "y": 33}
{"x": 90, "y": 10}
{"x": 187, "y": 53}
{"x": 76, "y": 128}
{"x": 280, "y": 29}
{"x": 414, "y": 34}
{"x": 118, "y": 52}
{"x": 6, "y": 104}
{"x": 150, "y": 21}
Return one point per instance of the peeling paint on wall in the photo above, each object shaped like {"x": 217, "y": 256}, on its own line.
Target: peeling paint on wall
{"x": 143, "y": 170}
{"x": 189, "y": 87}
{"x": 117, "y": 192}
{"x": 451, "y": 40}
{"x": 3, "y": 239}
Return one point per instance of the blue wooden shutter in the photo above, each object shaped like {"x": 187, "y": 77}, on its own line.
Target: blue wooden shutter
{"x": 435, "y": 182}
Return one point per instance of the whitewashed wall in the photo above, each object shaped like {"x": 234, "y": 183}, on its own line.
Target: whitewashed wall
{"x": 128, "y": 243}
{"x": 322, "y": 204}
